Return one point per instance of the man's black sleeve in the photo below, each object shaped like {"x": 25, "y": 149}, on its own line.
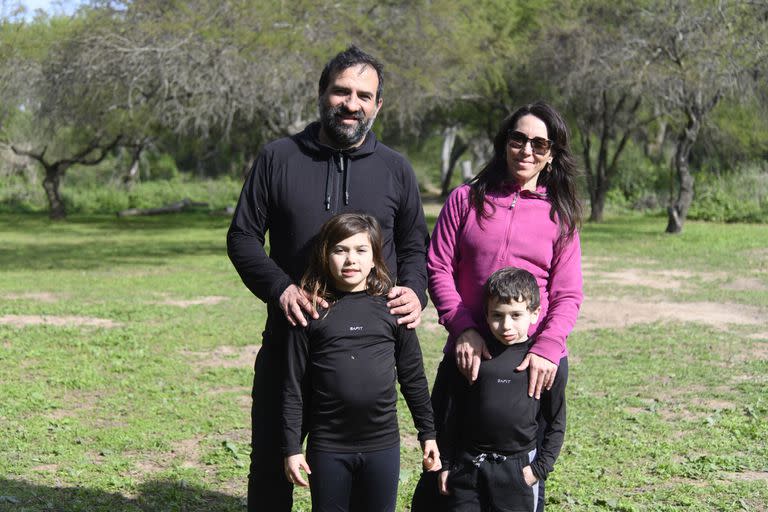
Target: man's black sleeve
{"x": 297, "y": 353}
{"x": 553, "y": 411}
{"x": 246, "y": 236}
{"x": 411, "y": 238}
{"x": 413, "y": 382}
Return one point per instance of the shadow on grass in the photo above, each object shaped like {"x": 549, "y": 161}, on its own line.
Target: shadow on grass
{"x": 87, "y": 243}
{"x": 154, "y": 496}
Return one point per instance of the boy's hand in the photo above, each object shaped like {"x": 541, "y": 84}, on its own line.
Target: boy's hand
{"x": 529, "y": 477}
{"x": 294, "y": 302}
{"x": 431, "y": 460}
{"x": 442, "y": 482}
{"x": 405, "y": 304}
{"x": 293, "y": 466}
{"x": 470, "y": 346}
{"x": 540, "y": 375}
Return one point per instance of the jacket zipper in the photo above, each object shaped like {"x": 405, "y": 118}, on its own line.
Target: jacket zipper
{"x": 508, "y": 232}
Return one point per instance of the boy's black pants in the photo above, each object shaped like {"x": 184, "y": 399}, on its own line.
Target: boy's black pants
{"x": 488, "y": 482}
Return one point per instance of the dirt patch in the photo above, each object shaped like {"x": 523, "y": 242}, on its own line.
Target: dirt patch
{"x": 57, "y": 321}
{"x": 759, "y": 336}
{"x": 188, "y": 450}
{"x": 225, "y": 356}
{"x": 620, "y": 313}
{"x": 746, "y": 284}
{"x": 661, "y": 279}
{"x": 200, "y": 301}
{"x": 37, "y": 296}
{"x": 46, "y": 467}
{"x": 748, "y": 476}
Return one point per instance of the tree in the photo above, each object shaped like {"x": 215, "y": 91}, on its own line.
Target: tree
{"x": 593, "y": 62}
{"x": 698, "y": 53}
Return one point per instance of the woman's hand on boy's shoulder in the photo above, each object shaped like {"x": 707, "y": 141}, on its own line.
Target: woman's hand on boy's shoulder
{"x": 470, "y": 350}
{"x": 541, "y": 373}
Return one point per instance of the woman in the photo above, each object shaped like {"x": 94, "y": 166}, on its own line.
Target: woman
{"x": 521, "y": 210}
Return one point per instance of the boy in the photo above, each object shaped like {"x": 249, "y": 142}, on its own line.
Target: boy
{"x": 488, "y": 447}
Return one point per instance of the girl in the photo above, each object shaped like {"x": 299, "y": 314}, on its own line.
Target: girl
{"x": 346, "y": 363}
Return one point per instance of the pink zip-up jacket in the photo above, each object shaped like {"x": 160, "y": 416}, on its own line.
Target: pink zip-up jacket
{"x": 463, "y": 254}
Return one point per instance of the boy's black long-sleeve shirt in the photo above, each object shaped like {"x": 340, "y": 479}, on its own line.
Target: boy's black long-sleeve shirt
{"x": 296, "y": 184}
{"x": 496, "y": 415}
{"x": 347, "y": 363}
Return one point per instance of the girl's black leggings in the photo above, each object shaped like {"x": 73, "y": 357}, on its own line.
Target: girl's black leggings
{"x": 343, "y": 482}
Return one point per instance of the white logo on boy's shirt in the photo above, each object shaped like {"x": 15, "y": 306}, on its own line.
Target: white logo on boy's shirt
{"x": 503, "y": 381}
{"x": 356, "y": 328}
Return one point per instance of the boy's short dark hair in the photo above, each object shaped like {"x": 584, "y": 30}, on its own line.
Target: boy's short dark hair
{"x": 352, "y": 56}
{"x": 513, "y": 284}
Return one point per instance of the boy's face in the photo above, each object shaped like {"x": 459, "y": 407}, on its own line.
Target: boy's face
{"x": 509, "y": 321}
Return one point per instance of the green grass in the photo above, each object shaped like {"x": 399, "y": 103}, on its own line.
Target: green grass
{"x": 153, "y": 412}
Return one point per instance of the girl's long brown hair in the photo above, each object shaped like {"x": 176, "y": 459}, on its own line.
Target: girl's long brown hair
{"x": 317, "y": 280}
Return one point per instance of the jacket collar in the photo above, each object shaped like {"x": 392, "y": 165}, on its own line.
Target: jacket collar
{"x": 309, "y": 140}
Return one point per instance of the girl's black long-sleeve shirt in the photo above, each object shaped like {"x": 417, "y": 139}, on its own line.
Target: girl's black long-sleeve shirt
{"x": 346, "y": 363}
{"x": 496, "y": 415}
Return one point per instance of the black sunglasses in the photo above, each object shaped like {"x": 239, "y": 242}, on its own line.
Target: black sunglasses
{"x": 539, "y": 145}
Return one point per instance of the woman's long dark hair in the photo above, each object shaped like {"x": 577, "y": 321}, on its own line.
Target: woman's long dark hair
{"x": 317, "y": 280}
{"x": 559, "y": 177}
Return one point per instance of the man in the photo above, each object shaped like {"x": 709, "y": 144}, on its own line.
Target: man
{"x": 296, "y": 184}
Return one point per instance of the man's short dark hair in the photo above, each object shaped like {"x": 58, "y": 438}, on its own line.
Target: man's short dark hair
{"x": 352, "y": 56}
{"x": 513, "y": 284}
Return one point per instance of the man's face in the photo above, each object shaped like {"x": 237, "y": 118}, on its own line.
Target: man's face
{"x": 348, "y": 107}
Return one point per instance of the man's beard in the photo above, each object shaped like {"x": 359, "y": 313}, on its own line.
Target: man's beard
{"x": 342, "y": 135}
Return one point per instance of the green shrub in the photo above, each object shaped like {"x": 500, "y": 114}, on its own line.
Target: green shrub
{"x": 732, "y": 197}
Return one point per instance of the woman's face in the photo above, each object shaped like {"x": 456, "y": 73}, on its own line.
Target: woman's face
{"x": 525, "y": 163}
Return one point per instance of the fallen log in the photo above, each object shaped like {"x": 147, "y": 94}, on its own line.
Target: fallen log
{"x": 180, "y": 206}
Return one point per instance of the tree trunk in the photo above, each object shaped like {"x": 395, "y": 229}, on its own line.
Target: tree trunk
{"x": 132, "y": 176}
{"x": 454, "y": 146}
{"x": 56, "y": 209}
{"x": 678, "y": 210}
{"x": 446, "y": 171}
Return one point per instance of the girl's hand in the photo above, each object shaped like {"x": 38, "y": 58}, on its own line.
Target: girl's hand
{"x": 470, "y": 346}
{"x": 442, "y": 483}
{"x": 293, "y": 466}
{"x": 540, "y": 375}
{"x": 529, "y": 477}
{"x": 431, "y": 460}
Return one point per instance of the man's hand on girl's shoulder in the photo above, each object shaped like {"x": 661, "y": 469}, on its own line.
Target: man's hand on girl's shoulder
{"x": 294, "y": 302}
{"x": 405, "y": 303}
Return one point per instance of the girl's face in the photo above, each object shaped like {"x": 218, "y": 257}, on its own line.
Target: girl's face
{"x": 350, "y": 262}
{"x": 525, "y": 163}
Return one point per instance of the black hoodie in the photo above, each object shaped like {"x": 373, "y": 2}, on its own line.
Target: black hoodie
{"x": 296, "y": 184}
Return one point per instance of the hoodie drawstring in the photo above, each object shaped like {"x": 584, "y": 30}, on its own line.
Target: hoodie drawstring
{"x": 345, "y": 171}
{"x": 328, "y": 186}
{"x": 342, "y": 163}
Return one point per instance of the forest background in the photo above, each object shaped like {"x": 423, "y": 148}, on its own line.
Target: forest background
{"x": 139, "y": 104}
{"x": 125, "y": 369}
